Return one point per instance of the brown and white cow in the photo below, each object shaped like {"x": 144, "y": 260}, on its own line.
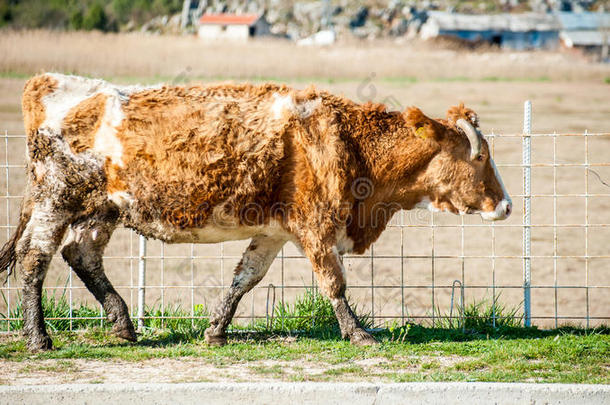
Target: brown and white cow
{"x": 207, "y": 164}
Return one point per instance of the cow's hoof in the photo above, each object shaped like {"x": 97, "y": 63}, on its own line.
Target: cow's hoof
{"x": 40, "y": 343}
{"x": 215, "y": 339}
{"x": 362, "y": 338}
{"x": 126, "y": 332}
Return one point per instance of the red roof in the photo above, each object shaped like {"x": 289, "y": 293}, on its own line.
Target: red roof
{"x": 229, "y": 19}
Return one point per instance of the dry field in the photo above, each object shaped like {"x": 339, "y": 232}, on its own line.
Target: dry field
{"x": 569, "y": 95}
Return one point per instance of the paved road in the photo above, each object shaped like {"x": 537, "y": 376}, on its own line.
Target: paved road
{"x": 308, "y": 393}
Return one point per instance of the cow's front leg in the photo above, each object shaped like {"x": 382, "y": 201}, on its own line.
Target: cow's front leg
{"x": 330, "y": 273}
{"x": 251, "y": 269}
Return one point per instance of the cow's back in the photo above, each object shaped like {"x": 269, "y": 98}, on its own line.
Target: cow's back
{"x": 169, "y": 154}
{"x": 186, "y": 151}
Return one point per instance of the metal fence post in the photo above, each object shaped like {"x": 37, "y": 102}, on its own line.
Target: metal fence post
{"x": 141, "y": 281}
{"x": 527, "y": 169}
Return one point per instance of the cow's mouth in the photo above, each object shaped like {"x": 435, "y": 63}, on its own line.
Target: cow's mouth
{"x": 502, "y": 211}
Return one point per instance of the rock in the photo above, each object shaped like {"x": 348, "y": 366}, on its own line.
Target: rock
{"x": 320, "y": 38}
{"x": 359, "y": 19}
{"x": 399, "y": 27}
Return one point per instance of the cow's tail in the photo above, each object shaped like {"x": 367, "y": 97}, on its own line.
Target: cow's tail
{"x": 8, "y": 256}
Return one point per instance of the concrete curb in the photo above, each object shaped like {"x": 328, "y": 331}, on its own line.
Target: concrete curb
{"x": 307, "y": 393}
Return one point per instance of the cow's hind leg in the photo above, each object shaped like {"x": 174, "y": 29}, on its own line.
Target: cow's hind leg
{"x": 41, "y": 238}
{"x": 251, "y": 269}
{"x": 83, "y": 251}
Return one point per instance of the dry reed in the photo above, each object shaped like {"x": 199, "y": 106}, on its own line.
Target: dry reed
{"x": 168, "y": 57}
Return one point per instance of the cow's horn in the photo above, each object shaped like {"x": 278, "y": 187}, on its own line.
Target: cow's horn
{"x": 472, "y": 135}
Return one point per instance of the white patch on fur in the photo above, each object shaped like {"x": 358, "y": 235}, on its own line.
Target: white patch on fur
{"x": 307, "y": 108}
{"x": 503, "y": 208}
{"x": 498, "y": 213}
{"x": 302, "y": 110}
{"x": 40, "y": 169}
{"x": 121, "y": 198}
{"x": 339, "y": 262}
{"x": 215, "y": 234}
{"x": 70, "y": 91}
{"x": 222, "y": 226}
{"x": 426, "y": 204}
{"x": 42, "y": 227}
{"x": 71, "y": 237}
{"x": 256, "y": 262}
{"x": 106, "y": 142}
{"x": 344, "y": 243}
{"x": 504, "y": 191}
{"x": 282, "y": 104}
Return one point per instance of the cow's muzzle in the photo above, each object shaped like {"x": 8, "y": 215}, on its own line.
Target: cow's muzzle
{"x": 502, "y": 211}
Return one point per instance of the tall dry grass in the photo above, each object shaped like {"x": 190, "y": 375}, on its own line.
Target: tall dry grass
{"x": 165, "y": 57}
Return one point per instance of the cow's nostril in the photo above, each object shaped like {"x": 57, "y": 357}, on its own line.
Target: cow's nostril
{"x": 509, "y": 208}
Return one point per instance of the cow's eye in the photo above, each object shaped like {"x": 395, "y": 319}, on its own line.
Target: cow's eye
{"x": 479, "y": 158}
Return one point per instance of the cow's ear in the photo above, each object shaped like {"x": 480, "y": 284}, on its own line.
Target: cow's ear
{"x": 460, "y": 111}
{"x": 421, "y": 125}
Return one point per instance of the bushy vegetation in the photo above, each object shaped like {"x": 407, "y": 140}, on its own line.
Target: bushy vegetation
{"x": 82, "y": 14}
{"x": 57, "y": 314}
{"x": 309, "y": 314}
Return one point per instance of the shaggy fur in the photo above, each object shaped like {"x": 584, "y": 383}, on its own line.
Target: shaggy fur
{"x": 213, "y": 163}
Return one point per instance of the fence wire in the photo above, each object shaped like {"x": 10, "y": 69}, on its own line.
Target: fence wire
{"x": 547, "y": 264}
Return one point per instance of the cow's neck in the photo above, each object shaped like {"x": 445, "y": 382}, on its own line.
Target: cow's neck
{"x": 390, "y": 163}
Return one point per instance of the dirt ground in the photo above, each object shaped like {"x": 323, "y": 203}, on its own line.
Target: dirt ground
{"x": 479, "y": 255}
{"x": 186, "y": 370}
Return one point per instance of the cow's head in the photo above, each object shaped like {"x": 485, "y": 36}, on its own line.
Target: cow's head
{"x": 460, "y": 177}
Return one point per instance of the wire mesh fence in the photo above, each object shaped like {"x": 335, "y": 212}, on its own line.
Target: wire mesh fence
{"x": 548, "y": 263}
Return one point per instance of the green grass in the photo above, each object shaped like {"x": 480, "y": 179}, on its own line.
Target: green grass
{"x": 305, "y": 335}
{"x": 566, "y": 355}
{"x": 536, "y": 79}
{"x": 10, "y": 74}
{"x": 484, "y": 316}
{"x": 310, "y": 314}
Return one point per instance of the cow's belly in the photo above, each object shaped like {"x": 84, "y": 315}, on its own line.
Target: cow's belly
{"x": 209, "y": 233}
{"x": 216, "y": 234}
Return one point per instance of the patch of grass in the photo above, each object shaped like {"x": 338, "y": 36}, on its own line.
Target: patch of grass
{"x": 398, "y": 80}
{"x": 426, "y": 354}
{"x": 516, "y": 79}
{"x": 349, "y": 369}
{"x": 59, "y": 366}
{"x": 537, "y": 79}
{"x": 57, "y": 313}
{"x": 11, "y": 74}
{"x": 312, "y": 313}
{"x": 607, "y": 80}
{"x": 307, "y": 332}
{"x": 177, "y": 319}
{"x": 453, "y": 79}
{"x": 483, "y": 316}
{"x": 274, "y": 370}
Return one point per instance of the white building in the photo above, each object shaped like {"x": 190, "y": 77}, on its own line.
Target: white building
{"x": 235, "y": 27}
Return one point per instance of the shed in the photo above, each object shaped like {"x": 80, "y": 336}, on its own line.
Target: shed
{"x": 238, "y": 27}
{"x": 585, "y": 31}
{"x": 514, "y": 31}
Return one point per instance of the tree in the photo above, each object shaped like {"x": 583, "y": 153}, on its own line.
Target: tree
{"x": 95, "y": 19}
